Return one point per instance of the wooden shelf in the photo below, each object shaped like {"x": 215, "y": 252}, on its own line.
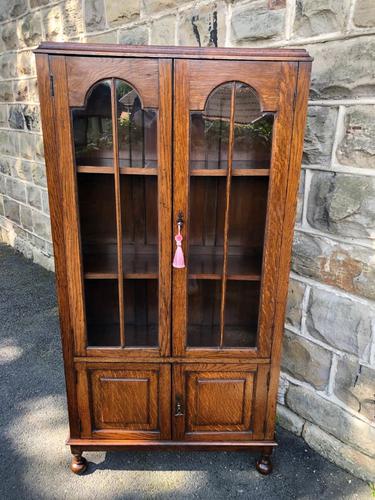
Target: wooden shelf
{"x": 91, "y": 169}
{"x": 209, "y": 266}
{"x": 209, "y": 336}
{"x": 236, "y": 172}
{"x": 100, "y": 262}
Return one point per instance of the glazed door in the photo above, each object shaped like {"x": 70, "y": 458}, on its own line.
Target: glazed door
{"x": 232, "y": 132}
{"x": 116, "y": 114}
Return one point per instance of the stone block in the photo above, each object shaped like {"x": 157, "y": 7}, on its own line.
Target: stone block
{"x": 12, "y": 210}
{"x": 341, "y": 454}
{"x": 38, "y": 3}
{"x": 306, "y": 361}
{"x": 53, "y": 23}
{"x": 134, "y": 36}
{"x": 27, "y": 146}
{"x": 8, "y": 65}
{"x": 342, "y": 204}
{"x": 355, "y": 386}
{"x": 25, "y": 63}
{"x": 314, "y": 17}
{"x": 300, "y": 197}
{"x": 32, "y": 117}
{"x": 340, "y": 322}
{"x": 163, "y": 31}
{"x": 4, "y": 116}
{"x": 45, "y": 202}
{"x": 30, "y": 30}
{"x": 34, "y": 196}
{"x": 15, "y": 189}
{"x": 255, "y": 21}
{"x": 122, "y": 12}
{"x": 42, "y": 225}
{"x": 33, "y": 90}
{"x": 202, "y": 26}
{"x": 39, "y": 174}
{"x": 294, "y": 304}
{"x": 21, "y": 169}
{"x": 39, "y": 148}
{"x": 364, "y": 13}
{"x": 349, "y": 267}
{"x": 16, "y": 119}
{"x": 289, "y": 420}
{"x": 94, "y": 15}
{"x": 72, "y": 18}
{"x": 13, "y": 8}
{"x": 282, "y": 388}
{"x": 6, "y": 91}
{"x": 2, "y": 185}
{"x": 9, "y": 143}
{"x": 9, "y": 36}
{"x": 154, "y": 6}
{"x": 1, "y": 206}
{"x": 26, "y": 217}
{"x": 332, "y": 418}
{"x": 6, "y": 165}
{"x": 21, "y": 90}
{"x": 109, "y": 37}
{"x": 319, "y": 135}
{"x": 343, "y": 68}
{"x": 357, "y": 146}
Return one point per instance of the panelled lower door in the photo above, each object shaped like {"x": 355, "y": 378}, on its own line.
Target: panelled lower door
{"x": 114, "y": 130}
{"x": 232, "y": 133}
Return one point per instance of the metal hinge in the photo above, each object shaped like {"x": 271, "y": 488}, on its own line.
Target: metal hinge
{"x": 51, "y": 85}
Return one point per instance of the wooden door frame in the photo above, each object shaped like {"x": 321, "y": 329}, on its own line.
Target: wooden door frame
{"x": 283, "y": 88}
{"x": 70, "y": 209}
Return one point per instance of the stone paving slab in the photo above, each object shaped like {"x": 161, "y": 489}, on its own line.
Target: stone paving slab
{"x": 33, "y": 426}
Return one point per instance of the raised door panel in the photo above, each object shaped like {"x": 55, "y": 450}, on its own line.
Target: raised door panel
{"x": 130, "y": 401}
{"x": 219, "y": 402}
{"x": 233, "y": 130}
{"x": 114, "y": 140}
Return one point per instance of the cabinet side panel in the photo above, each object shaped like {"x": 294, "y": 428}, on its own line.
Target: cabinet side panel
{"x": 69, "y": 203}
{"x": 51, "y": 153}
{"x": 299, "y": 121}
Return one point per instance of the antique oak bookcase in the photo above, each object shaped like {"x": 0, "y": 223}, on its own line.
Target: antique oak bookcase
{"x": 142, "y": 143}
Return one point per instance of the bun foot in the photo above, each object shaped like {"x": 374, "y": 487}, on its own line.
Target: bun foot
{"x": 78, "y": 464}
{"x": 264, "y": 465}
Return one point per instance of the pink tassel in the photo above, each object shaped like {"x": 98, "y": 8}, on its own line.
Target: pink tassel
{"x": 178, "y": 261}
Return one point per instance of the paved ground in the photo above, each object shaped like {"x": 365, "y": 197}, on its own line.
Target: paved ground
{"x": 33, "y": 426}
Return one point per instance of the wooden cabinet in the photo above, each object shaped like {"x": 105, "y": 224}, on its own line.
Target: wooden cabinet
{"x": 141, "y": 144}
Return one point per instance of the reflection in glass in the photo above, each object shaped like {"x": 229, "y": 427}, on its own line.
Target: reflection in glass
{"x": 136, "y": 129}
{"x": 252, "y": 131}
{"x": 92, "y": 128}
{"x": 210, "y": 131}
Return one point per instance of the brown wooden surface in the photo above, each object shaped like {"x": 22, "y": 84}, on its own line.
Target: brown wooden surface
{"x": 119, "y": 50}
{"x": 299, "y": 121}
{"x": 55, "y": 195}
{"x": 220, "y": 402}
{"x": 142, "y": 75}
{"x": 127, "y": 398}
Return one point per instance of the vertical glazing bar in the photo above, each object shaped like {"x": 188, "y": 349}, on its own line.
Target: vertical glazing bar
{"x": 120, "y": 273}
{"x": 226, "y": 217}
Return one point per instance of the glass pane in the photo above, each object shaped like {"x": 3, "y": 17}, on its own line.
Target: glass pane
{"x": 206, "y": 225}
{"x": 92, "y": 128}
{"x": 252, "y": 131}
{"x": 204, "y": 313}
{"x": 247, "y": 220}
{"x": 96, "y": 195}
{"x": 139, "y": 215}
{"x": 209, "y": 131}
{"x": 141, "y": 312}
{"x": 241, "y": 313}
{"x": 102, "y": 313}
{"x": 137, "y": 129}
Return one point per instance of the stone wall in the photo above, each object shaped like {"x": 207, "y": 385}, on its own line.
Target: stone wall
{"x": 328, "y": 382}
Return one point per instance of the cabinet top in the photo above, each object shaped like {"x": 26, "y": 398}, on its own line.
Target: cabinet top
{"x": 159, "y": 51}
